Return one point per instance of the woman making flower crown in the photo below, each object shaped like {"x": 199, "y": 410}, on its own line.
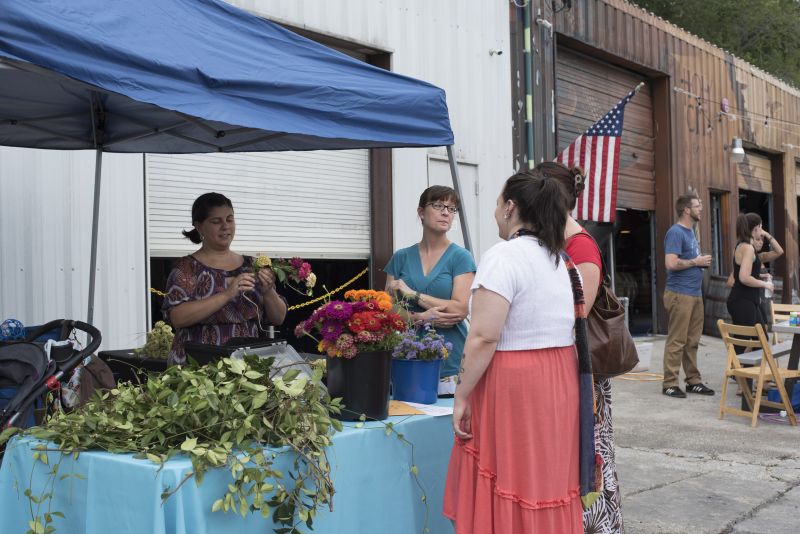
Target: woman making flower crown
{"x": 435, "y": 276}
{"x": 212, "y": 295}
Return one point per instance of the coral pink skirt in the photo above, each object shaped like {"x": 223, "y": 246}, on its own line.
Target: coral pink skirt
{"x": 519, "y": 472}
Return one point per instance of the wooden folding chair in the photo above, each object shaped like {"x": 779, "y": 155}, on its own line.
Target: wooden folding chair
{"x": 780, "y": 313}
{"x": 753, "y": 337}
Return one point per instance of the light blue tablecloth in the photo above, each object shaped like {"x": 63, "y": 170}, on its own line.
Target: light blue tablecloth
{"x": 375, "y": 492}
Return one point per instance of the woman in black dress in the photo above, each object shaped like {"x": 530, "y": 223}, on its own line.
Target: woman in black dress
{"x": 745, "y": 296}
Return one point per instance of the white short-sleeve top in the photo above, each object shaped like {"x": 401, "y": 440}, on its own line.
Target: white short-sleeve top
{"x": 542, "y": 312}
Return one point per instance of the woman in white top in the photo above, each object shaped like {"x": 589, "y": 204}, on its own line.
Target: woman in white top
{"x": 514, "y": 466}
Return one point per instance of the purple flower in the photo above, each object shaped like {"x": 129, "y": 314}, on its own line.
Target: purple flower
{"x": 338, "y": 309}
{"x": 331, "y": 330}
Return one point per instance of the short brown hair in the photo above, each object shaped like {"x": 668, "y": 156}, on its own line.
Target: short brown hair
{"x": 685, "y": 201}
{"x": 437, "y": 193}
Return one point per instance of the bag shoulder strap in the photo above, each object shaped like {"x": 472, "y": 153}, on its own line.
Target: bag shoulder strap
{"x": 606, "y": 278}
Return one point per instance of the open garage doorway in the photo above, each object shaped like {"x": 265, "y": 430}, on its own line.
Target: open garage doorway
{"x": 628, "y": 248}
{"x": 757, "y": 202}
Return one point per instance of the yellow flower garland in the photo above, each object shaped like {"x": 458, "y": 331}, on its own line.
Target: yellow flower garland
{"x": 303, "y": 304}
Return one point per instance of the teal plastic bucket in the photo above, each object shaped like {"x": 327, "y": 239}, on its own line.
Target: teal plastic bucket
{"x": 415, "y": 380}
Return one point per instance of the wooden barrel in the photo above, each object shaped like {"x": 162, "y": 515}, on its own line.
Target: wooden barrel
{"x": 716, "y": 297}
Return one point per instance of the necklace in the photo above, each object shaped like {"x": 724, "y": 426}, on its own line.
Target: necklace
{"x": 523, "y": 232}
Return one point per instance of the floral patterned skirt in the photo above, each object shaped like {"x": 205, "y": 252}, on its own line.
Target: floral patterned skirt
{"x": 605, "y": 515}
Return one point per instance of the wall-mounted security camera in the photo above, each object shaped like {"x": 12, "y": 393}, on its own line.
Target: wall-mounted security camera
{"x": 495, "y": 51}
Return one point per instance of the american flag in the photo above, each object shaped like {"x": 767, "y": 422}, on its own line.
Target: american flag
{"x": 597, "y": 153}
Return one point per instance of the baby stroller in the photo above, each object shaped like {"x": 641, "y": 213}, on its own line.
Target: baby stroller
{"x": 24, "y": 365}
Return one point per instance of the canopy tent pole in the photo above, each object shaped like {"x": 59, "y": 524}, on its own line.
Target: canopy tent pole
{"x": 98, "y": 125}
{"x": 462, "y": 213}
{"x": 98, "y": 169}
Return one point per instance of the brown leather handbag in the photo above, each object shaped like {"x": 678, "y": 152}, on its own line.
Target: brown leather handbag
{"x": 610, "y": 342}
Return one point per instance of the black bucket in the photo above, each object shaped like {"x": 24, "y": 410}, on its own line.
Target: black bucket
{"x": 363, "y": 384}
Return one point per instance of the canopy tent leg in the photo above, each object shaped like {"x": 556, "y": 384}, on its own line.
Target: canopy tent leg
{"x": 462, "y": 213}
{"x": 98, "y": 169}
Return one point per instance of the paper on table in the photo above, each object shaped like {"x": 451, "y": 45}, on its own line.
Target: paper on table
{"x": 432, "y": 409}
{"x": 401, "y": 408}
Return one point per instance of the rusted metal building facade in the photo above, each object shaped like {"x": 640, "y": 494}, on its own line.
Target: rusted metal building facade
{"x": 583, "y": 56}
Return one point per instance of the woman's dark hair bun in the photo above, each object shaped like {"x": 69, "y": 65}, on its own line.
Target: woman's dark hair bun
{"x": 579, "y": 180}
{"x": 193, "y": 235}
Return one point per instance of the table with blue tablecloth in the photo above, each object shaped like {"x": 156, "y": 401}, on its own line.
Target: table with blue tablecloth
{"x": 371, "y": 471}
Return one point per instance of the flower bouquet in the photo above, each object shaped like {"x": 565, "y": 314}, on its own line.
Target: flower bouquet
{"x": 357, "y": 335}
{"x": 363, "y": 322}
{"x": 158, "y": 342}
{"x": 293, "y": 273}
{"x": 415, "y": 365}
{"x": 430, "y": 346}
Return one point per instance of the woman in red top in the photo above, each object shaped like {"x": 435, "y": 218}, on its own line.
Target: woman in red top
{"x": 605, "y": 515}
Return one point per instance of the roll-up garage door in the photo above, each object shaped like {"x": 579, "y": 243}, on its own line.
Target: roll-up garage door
{"x": 755, "y": 172}
{"x": 586, "y": 89}
{"x": 308, "y": 204}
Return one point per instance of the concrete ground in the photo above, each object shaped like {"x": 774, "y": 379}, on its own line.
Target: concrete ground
{"x": 683, "y": 470}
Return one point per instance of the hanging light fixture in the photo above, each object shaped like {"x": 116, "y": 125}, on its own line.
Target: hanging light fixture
{"x": 737, "y": 152}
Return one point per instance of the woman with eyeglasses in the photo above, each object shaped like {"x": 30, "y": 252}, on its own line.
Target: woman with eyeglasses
{"x": 435, "y": 276}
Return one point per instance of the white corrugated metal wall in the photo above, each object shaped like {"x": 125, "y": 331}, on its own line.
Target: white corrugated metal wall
{"x": 445, "y": 42}
{"x": 45, "y": 197}
{"x": 45, "y": 237}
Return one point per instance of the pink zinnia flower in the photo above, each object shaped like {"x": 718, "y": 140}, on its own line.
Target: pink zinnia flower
{"x": 365, "y": 336}
{"x": 344, "y": 342}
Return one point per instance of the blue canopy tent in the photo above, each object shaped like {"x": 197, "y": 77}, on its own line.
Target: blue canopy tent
{"x": 189, "y": 76}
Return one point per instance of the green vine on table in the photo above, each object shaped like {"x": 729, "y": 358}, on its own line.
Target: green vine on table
{"x": 220, "y": 416}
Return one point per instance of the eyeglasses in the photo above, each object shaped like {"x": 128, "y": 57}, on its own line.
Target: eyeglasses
{"x": 441, "y": 207}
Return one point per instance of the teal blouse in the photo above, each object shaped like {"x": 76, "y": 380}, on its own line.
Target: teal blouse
{"x": 406, "y": 265}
